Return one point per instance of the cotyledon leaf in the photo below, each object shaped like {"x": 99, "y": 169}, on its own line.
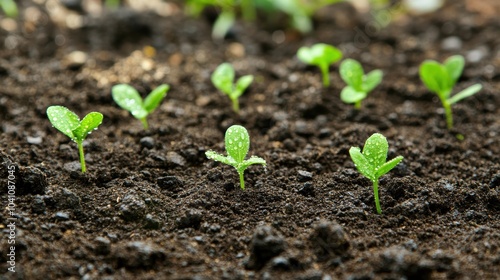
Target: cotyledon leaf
{"x": 362, "y": 163}
{"x": 237, "y": 142}
{"x": 375, "y": 150}
{"x": 90, "y": 122}
{"x": 129, "y": 99}
{"x": 63, "y": 120}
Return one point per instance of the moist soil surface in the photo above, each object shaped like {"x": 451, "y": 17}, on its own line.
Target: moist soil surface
{"x": 152, "y": 206}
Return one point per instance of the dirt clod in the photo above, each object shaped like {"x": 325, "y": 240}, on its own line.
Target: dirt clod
{"x": 266, "y": 243}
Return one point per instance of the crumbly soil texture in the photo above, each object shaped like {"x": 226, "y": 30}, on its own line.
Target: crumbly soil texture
{"x": 152, "y": 206}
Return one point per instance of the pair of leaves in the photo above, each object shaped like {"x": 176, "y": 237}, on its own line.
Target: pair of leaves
{"x": 223, "y": 79}
{"x": 441, "y": 78}
{"x": 69, "y": 123}
{"x": 321, "y": 55}
{"x": 358, "y": 84}
{"x": 129, "y": 99}
{"x": 372, "y": 162}
{"x": 237, "y": 143}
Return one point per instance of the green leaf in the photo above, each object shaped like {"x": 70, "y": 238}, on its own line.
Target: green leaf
{"x": 237, "y": 142}
{"x": 352, "y": 73}
{"x": 222, "y": 24}
{"x": 242, "y": 84}
{"x": 223, "y": 78}
{"x": 362, "y": 163}
{"x": 371, "y": 80}
{"x": 155, "y": 97}
{"x": 63, "y": 120}
{"x": 388, "y": 166}
{"x": 329, "y": 54}
{"x": 375, "y": 150}
{"x": 319, "y": 54}
{"x": 350, "y": 95}
{"x": 129, "y": 99}
{"x": 454, "y": 66}
{"x": 90, "y": 122}
{"x": 9, "y": 7}
{"x": 252, "y": 160}
{"x": 435, "y": 77}
{"x": 465, "y": 93}
{"x": 218, "y": 157}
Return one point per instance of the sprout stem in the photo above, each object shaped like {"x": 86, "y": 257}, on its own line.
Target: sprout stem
{"x": 449, "y": 116}
{"x": 357, "y": 105}
{"x": 375, "y": 194}
{"x": 324, "y": 73}
{"x": 242, "y": 180}
{"x": 236, "y": 105}
{"x": 145, "y": 123}
{"x": 248, "y": 9}
{"x": 82, "y": 156}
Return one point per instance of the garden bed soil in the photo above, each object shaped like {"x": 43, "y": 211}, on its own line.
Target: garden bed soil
{"x": 152, "y": 206}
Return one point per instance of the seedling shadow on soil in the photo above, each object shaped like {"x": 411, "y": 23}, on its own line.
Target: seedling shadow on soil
{"x": 152, "y": 205}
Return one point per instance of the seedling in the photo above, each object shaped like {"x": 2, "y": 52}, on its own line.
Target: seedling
{"x": 227, "y": 15}
{"x": 9, "y": 7}
{"x": 129, "y": 99}
{"x": 358, "y": 84}
{"x": 372, "y": 162}
{"x": 237, "y": 144}
{"x": 441, "y": 78}
{"x": 321, "y": 55}
{"x": 223, "y": 79}
{"x": 301, "y": 11}
{"x": 70, "y": 125}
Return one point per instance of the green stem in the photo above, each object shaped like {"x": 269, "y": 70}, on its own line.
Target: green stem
{"x": 242, "y": 180}
{"x": 144, "y": 122}
{"x": 82, "y": 156}
{"x": 236, "y": 105}
{"x": 449, "y": 116}
{"x": 324, "y": 73}
{"x": 375, "y": 194}
{"x": 112, "y": 4}
{"x": 357, "y": 105}
{"x": 248, "y": 9}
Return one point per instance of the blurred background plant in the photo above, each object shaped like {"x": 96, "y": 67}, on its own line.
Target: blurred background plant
{"x": 9, "y": 7}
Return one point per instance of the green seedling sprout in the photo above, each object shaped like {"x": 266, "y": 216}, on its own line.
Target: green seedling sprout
{"x": 70, "y": 125}
{"x": 237, "y": 144}
{"x": 129, "y": 99}
{"x": 372, "y": 162}
{"x": 301, "y": 11}
{"x": 358, "y": 84}
{"x": 441, "y": 78}
{"x": 9, "y": 7}
{"x": 112, "y": 4}
{"x": 227, "y": 15}
{"x": 223, "y": 79}
{"x": 321, "y": 55}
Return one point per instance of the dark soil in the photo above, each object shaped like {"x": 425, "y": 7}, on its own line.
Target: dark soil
{"x": 151, "y": 206}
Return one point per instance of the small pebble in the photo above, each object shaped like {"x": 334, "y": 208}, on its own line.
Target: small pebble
{"x": 75, "y": 59}
{"x": 34, "y": 140}
{"x": 176, "y": 159}
{"x": 304, "y": 176}
{"x": 476, "y": 55}
{"x": 452, "y": 43}
{"x": 62, "y": 216}
{"x": 147, "y": 142}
